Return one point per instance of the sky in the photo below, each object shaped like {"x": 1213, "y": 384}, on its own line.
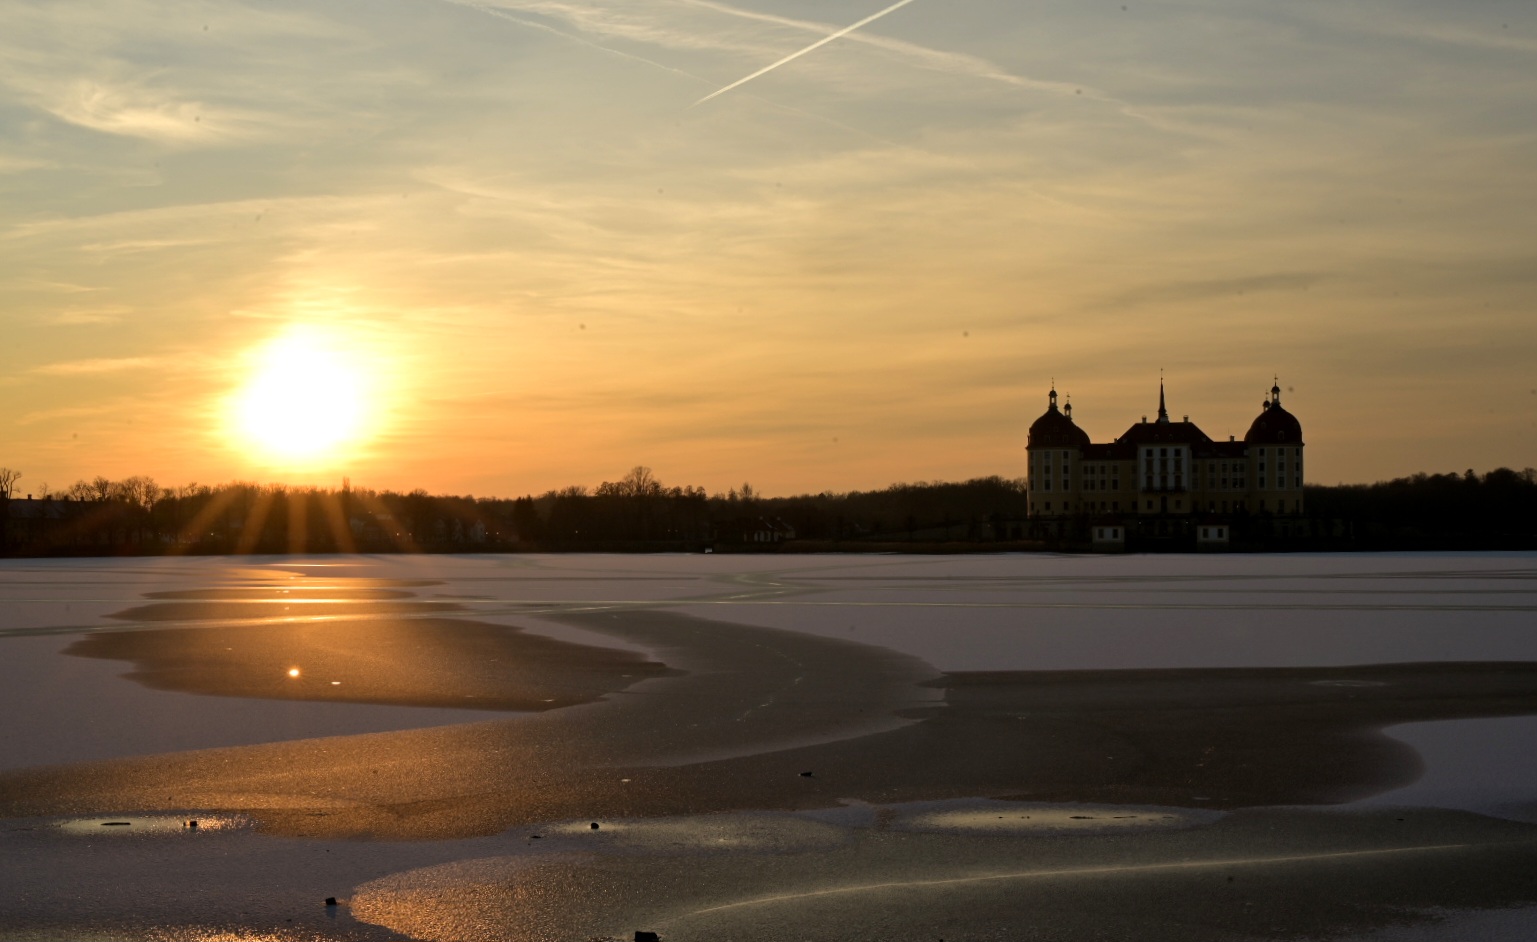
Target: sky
{"x": 525, "y": 254}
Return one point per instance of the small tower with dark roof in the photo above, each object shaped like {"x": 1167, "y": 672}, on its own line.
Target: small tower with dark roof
{"x": 1055, "y": 449}
{"x": 1274, "y": 443}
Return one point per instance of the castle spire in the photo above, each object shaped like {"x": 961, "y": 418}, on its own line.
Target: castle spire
{"x": 1163, "y": 411}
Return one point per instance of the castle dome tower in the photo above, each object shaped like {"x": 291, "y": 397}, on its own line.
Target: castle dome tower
{"x": 1274, "y": 442}
{"x": 1055, "y": 429}
{"x": 1274, "y": 425}
{"x": 1055, "y": 451}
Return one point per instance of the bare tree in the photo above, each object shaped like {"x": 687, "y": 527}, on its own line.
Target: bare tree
{"x": 80, "y": 490}
{"x": 101, "y": 487}
{"x": 8, "y": 478}
{"x": 640, "y": 482}
{"x": 137, "y": 491}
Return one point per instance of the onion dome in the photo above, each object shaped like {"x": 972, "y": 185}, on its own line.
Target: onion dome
{"x": 1274, "y": 425}
{"x": 1055, "y": 429}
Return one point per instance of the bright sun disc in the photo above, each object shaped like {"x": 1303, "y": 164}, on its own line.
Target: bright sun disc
{"x": 304, "y": 400}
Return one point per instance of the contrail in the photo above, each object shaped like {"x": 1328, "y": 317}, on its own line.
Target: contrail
{"x": 796, "y": 55}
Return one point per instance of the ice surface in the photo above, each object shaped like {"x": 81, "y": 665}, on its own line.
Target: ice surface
{"x": 958, "y": 613}
{"x": 72, "y": 709}
{"x": 1484, "y": 765}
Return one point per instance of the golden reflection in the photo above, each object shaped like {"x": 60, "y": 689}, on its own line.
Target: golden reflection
{"x": 156, "y": 824}
{"x": 306, "y": 398}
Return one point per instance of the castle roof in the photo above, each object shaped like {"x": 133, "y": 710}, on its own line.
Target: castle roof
{"x": 1056, "y": 429}
{"x": 1274, "y": 425}
{"x": 1165, "y": 433}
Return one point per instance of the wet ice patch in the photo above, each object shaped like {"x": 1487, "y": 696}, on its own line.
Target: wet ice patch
{"x": 734, "y": 833}
{"x": 972, "y": 816}
{"x": 153, "y": 824}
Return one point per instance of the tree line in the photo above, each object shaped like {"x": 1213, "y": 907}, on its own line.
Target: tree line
{"x": 639, "y": 513}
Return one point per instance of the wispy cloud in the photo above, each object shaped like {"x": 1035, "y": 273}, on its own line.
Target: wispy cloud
{"x": 1203, "y": 289}
{"x": 125, "y": 246}
{"x": 135, "y": 112}
{"x": 88, "y": 317}
{"x": 93, "y": 367}
{"x": 569, "y": 11}
{"x": 68, "y": 412}
{"x": 14, "y": 163}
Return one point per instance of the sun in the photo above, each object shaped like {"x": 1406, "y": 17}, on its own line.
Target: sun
{"x": 305, "y": 400}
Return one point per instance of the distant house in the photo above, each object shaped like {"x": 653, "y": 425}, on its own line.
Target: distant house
{"x": 1211, "y": 535}
{"x": 1109, "y": 536}
{"x": 750, "y": 529}
{"x": 34, "y": 524}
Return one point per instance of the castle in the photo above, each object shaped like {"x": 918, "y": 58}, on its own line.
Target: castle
{"x": 1164, "y": 479}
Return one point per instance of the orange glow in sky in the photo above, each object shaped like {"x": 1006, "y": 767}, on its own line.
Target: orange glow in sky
{"x": 540, "y": 250}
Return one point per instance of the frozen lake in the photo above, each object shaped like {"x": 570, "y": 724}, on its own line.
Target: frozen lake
{"x": 956, "y": 613}
{"x": 354, "y": 687}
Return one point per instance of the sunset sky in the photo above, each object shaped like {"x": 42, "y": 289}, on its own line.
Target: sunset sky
{"x": 525, "y": 257}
